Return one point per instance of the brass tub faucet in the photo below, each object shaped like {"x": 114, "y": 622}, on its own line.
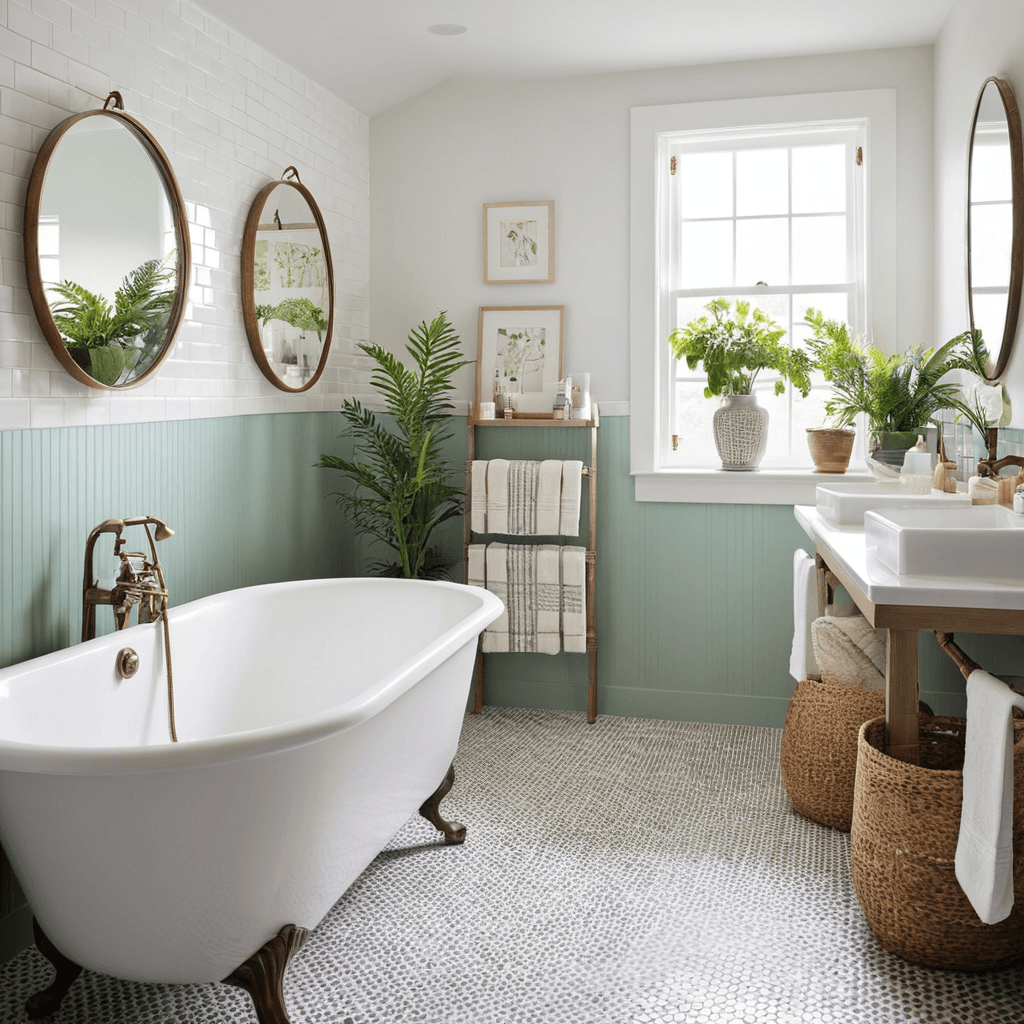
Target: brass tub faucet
{"x": 139, "y": 581}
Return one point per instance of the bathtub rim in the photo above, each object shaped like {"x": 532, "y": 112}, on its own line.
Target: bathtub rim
{"x": 49, "y": 759}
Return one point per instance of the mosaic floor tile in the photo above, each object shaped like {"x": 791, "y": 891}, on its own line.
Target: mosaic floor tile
{"x": 629, "y": 872}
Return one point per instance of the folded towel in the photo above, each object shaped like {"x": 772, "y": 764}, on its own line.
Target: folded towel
{"x": 805, "y": 611}
{"x": 574, "y": 619}
{"x": 523, "y": 481}
{"x": 495, "y": 636}
{"x": 549, "y": 599}
{"x": 497, "y": 496}
{"x": 549, "y": 496}
{"x": 849, "y": 650}
{"x": 984, "y": 852}
{"x": 569, "y": 514}
{"x": 476, "y": 572}
{"x": 478, "y": 492}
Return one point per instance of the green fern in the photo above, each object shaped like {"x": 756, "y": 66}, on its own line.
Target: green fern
{"x": 400, "y": 491}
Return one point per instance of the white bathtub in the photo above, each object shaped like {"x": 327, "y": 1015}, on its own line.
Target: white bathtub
{"x": 314, "y": 718}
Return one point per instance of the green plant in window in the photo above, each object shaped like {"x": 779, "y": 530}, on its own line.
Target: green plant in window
{"x": 899, "y": 392}
{"x": 400, "y": 479}
{"x": 734, "y": 344}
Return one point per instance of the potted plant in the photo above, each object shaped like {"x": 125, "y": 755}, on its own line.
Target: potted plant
{"x": 900, "y": 393}
{"x": 106, "y": 340}
{"x": 734, "y": 345}
{"x": 401, "y": 491}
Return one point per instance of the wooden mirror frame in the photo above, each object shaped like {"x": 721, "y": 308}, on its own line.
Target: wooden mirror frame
{"x": 1013, "y": 124}
{"x": 30, "y": 231}
{"x": 252, "y": 326}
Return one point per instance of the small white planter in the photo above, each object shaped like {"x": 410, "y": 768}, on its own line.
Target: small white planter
{"x": 741, "y": 432}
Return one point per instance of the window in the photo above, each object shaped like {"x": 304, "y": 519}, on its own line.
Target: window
{"x": 762, "y": 200}
{"x": 775, "y": 218}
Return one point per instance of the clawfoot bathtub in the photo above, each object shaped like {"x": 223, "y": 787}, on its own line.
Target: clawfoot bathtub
{"x": 314, "y": 718}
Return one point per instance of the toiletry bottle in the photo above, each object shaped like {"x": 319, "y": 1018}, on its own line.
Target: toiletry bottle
{"x": 916, "y": 473}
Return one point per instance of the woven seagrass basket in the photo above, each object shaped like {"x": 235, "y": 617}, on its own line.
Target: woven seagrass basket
{"x": 906, "y": 822}
{"x": 819, "y": 747}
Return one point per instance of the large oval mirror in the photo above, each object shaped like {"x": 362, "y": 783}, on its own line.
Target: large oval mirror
{"x": 106, "y": 248}
{"x": 287, "y": 284}
{"x": 995, "y": 220}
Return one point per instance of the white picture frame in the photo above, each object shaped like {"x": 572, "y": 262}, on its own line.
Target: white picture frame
{"x": 519, "y": 242}
{"x": 524, "y": 344}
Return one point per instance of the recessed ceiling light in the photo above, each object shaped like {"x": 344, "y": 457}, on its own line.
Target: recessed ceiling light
{"x": 447, "y": 30}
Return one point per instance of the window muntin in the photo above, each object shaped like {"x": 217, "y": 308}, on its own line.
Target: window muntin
{"x": 776, "y": 217}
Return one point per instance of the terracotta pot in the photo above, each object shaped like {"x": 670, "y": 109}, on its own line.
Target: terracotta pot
{"x": 830, "y": 448}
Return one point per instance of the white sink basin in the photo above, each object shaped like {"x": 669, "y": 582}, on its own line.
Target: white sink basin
{"x": 844, "y": 504}
{"x": 981, "y": 541}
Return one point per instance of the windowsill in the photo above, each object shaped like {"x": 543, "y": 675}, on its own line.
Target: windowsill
{"x": 719, "y": 486}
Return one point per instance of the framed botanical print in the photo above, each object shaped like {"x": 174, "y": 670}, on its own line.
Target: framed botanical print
{"x": 520, "y": 347}
{"x": 519, "y": 243}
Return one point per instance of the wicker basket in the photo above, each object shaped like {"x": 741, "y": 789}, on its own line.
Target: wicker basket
{"x": 906, "y": 822}
{"x": 819, "y": 747}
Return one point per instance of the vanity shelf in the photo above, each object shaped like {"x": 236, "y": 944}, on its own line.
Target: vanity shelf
{"x": 590, "y": 472}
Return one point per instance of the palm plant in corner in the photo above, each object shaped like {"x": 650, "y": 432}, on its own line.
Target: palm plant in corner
{"x": 400, "y": 479}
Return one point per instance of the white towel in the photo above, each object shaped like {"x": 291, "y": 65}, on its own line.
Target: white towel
{"x": 849, "y": 651}
{"x": 522, "y": 597}
{"x": 495, "y": 636}
{"x": 549, "y": 599}
{"x": 497, "y": 496}
{"x": 476, "y": 572}
{"x": 478, "y": 492}
{"x": 805, "y": 611}
{"x": 574, "y": 619}
{"x": 984, "y": 852}
{"x": 549, "y": 497}
{"x": 569, "y": 515}
{"x": 523, "y": 482}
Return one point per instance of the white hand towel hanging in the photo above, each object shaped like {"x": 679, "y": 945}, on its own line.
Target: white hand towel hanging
{"x": 495, "y": 636}
{"x": 549, "y": 497}
{"x": 478, "y": 492}
{"x": 984, "y": 852}
{"x": 574, "y": 619}
{"x": 805, "y": 611}
{"x": 476, "y": 571}
{"x": 549, "y": 599}
{"x": 497, "y": 496}
{"x": 572, "y": 483}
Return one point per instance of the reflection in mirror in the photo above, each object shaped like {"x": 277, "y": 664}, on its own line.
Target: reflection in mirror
{"x": 287, "y": 285}
{"x": 106, "y": 247}
{"x": 995, "y": 220}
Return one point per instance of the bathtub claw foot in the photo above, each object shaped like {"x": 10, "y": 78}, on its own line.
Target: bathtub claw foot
{"x": 42, "y": 1004}
{"x": 454, "y": 831}
{"x": 262, "y": 974}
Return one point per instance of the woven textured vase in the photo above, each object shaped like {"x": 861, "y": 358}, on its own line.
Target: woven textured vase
{"x": 741, "y": 432}
{"x": 906, "y": 823}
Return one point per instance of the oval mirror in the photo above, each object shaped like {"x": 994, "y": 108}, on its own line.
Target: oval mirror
{"x": 995, "y": 220}
{"x": 106, "y": 248}
{"x": 287, "y": 284}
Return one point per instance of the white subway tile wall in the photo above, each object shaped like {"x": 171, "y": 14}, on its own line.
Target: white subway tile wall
{"x": 230, "y": 118}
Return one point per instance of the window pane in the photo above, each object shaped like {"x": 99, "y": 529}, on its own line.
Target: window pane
{"x": 808, "y": 412}
{"x": 762, "y": 251}
{"x": 991, "y": 240}
{"x": 990, "y": 318}
{"x": 688, "y": 309}
{"x": 705, "y": 254}
{"x": 819, "y": 179}
{"x": 762, "y": 182}
{"x": 693, "y": 419}
{"x": 819, "y": 250}
{"x": 705, "y": 184}
{"x": 778, "y": 417}
{"x": 991, "y": 178}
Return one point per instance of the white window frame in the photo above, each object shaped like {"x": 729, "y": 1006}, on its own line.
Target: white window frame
{"x": 655, "y": 477}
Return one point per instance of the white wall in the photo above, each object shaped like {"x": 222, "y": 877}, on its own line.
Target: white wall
{"x": 438, "y": 157}
{"x": 230, "y": 117}
{"x": 980, "y": 38}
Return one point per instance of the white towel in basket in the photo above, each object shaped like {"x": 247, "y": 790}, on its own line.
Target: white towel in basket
{"x": 984, "y": 852}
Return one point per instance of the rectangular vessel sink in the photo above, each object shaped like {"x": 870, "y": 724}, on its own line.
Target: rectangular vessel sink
{"x": 981, "y": 541}
{"x": 845, "y": 503}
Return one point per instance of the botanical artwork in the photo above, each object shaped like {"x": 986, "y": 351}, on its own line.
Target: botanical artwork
{"x": 521, "y": 356}
{"x": 520, "y": 349}
{"x": 518, "y": 243}
{"x": 262, "y": 266}
{"x": 298, "y": 265}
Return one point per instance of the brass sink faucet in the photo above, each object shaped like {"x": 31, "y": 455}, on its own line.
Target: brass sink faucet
{"x": 139, "y": 580}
